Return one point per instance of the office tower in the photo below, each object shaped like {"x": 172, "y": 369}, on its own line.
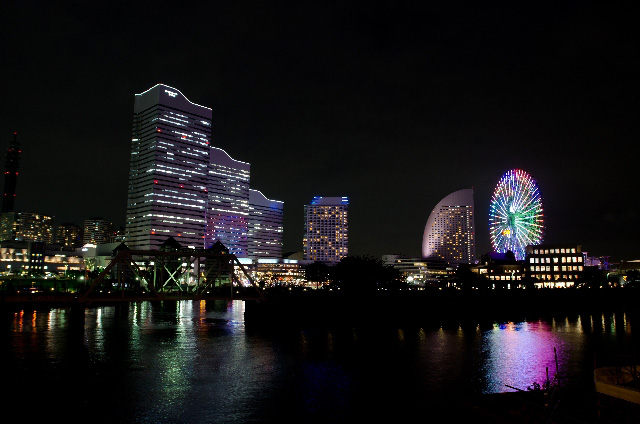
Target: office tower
{"x": 264, "y": 232}
{"x": 326, "y": 229}
{"x": 27, "y": 226}
{"x": 228, "y": 203}
{"x": 167, "y": 193}
{"x": 68, "y": 234}
{"x": 11, "y": 163}
{"x": 97, "y": 231}
{"x": 450, "y": 231}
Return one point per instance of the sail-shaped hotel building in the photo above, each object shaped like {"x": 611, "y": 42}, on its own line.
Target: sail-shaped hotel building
{"x": 450, "y": 231}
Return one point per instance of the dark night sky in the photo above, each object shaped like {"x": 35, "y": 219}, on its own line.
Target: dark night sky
{"x": 395, "y": 105}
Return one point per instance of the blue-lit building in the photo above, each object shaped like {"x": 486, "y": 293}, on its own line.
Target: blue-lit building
{"x": 168, "y": 176}
{"x": 265, "y": 226}
{"x": 449, "y": 234}
{"x": 228, "y": 203}
{"x": 326, "y": 229}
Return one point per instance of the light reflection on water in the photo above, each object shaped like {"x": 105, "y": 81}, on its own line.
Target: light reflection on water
{"x": 197, "y": 361}
{"x": 519, "y": 354}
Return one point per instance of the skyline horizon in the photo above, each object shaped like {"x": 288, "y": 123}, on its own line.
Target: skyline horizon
{"x": 394, "y": 106}
{"x": 301, "y": 250}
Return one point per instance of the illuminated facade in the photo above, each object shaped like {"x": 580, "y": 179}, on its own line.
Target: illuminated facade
{"x": 97, "y": 231}
{"x": 557, "y": 265}
{"x": 168, "y": 175}
{"x": 264, "y": 232}
{"x": 68, "y": 234}
{"x": 326, "y": 227}
{"x": 450, "y": 231}
{"x": 273, "y": 272}
{"x": 27, "y": 226}
{"x": 421, "y": 272}
{"x": 228, "y": 203}
{"x": 28, "y": 257}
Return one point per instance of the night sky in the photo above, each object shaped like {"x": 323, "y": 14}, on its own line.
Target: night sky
{"x": 395, "y": 105}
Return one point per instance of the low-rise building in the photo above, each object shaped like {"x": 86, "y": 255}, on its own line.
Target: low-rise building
{"x": 554, "y": 265}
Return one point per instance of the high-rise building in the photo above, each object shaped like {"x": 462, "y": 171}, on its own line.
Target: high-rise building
{"x": 228, "y": 203}
{"x": 326, "y": 227}
{"x": 69, "y": 234}
{"x": 450, "y": 231}
{"x": 11, "y": 163}
{"x": 264, "y": 232}
{"x": 27, "y": 226}
{"x": 168, "y": 176}
{"x": 97, "y": 231}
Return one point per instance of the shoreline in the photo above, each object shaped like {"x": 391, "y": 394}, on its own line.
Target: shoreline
{"x": 425, "y": 308}
{"x": 388, "y": 307}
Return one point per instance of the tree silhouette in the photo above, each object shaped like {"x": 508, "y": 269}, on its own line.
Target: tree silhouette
{"x": 365, "y": 274}
{"x": 317, "y": 272}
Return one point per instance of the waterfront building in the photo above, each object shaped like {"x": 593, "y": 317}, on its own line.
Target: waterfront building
{"x": 227, "y": 210}
{"x": 269, "y": 272}
{"x": 600, "y": 262}
{"x": 450, "y": 231}
{"x": 554, "y": 265}
{"x": 326, "y": 226}
{"x": 30, "y": 226}
{"x": 265, "y": 226}
{"x": 97, "y": 231}
{"x": 11, "y": 164}
{"x": 97, "y": 257}
{"x": 168, "y": 175}
{"x": 69, "y": 234}
{"x": 501, "y": 270}
{"x": 29, "y": 258}
{"x": 421, "y": 272}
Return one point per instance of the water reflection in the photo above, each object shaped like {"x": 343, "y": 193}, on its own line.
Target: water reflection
{"x": 196, "y": 361}
{"x": 520, "y": 354}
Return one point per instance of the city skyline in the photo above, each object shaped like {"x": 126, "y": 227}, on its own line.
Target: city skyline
{"x": 394, "y": 108}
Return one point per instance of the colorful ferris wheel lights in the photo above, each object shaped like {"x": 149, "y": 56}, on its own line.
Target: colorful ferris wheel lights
{"x": 516, "y": 217}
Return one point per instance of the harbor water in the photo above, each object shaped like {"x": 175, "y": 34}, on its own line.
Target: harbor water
{"x": 200, "y": 361}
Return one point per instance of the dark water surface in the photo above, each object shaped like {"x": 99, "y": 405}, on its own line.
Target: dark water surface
{"x": 198, "y": 361}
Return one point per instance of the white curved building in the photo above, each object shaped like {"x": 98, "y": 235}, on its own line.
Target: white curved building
{"x": 450, "y": 231}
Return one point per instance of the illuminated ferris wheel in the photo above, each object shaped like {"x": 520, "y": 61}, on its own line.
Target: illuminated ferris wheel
{"x": 515, "y": 214}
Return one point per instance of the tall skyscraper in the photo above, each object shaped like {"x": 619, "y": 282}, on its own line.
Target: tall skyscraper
{"x": 11, "y": 164}
{"x": 264, "y": 232}
{"x": 450, "y": 231}
{"x": 168, "y": 176}
{"x": 326, "y": 227}
{"x": 228, "y": 203}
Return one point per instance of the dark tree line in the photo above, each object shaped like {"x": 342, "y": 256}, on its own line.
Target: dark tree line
{"x": 356, "y": 274}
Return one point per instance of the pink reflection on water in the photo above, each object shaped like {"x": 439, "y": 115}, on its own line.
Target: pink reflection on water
{"x": 519, "y": 354}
